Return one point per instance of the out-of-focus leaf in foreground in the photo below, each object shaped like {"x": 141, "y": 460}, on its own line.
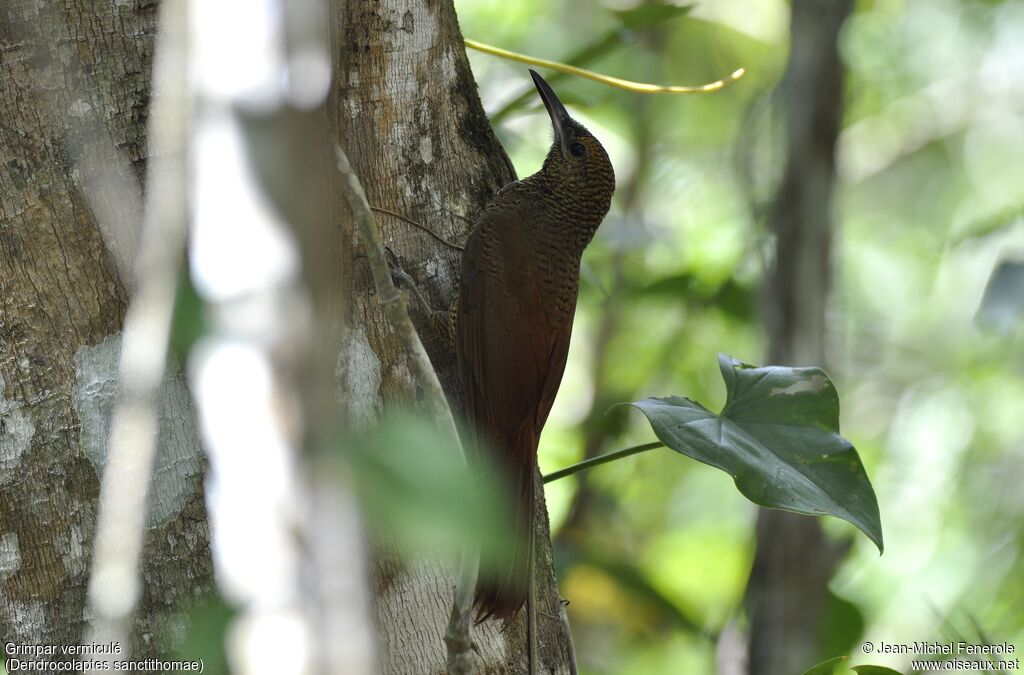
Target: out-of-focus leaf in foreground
{"x": 188, "y": 323}
{"x": 417, "y": 490}
{"x": 778, "y": 437}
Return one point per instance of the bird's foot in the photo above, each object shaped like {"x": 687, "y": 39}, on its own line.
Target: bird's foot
{"x": 440, "y": 320}
{"x": 403, "y": 279}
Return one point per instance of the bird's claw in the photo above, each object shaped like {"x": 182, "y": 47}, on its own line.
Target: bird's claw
{"x": 398, "y": 275}
{"x": 403, "y": 279}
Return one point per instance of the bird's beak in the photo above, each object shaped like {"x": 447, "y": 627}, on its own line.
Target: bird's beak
{"x": 557, "y": 112}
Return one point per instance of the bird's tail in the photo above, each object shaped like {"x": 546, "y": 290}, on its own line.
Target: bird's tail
{"x": 501, "y": 590}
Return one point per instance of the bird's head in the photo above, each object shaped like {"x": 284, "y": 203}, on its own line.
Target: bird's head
{"x": 576, "y": 159}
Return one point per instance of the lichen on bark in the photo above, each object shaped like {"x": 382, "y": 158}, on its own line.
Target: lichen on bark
{"x": 74, "y": 90}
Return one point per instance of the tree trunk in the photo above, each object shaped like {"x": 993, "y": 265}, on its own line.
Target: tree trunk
{"x": 788, "y": 585}
{"x": 74, "y": 85}
{"x": 410, "y": 119}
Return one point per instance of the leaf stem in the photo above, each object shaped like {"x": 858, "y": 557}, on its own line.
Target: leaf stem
{"x": 638, "y": 87}
{"x": 601, "y": 459}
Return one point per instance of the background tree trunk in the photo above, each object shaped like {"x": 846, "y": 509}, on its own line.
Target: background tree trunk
{"x": 74, "y": 86}
{"x": 410, "y": 119}
{"x": 788, "y": 587}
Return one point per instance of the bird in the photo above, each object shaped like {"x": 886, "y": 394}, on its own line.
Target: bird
{"x": 513, "y": 318}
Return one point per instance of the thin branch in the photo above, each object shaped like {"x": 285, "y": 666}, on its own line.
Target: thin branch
{"x": 457, "y": 636}
{"x": 114, "y": 582}
{"x": 586, "y": 54}
{"x": 601, "y": 459}
{"x": 628, "y": 85}
{"x": 418, "y": 226}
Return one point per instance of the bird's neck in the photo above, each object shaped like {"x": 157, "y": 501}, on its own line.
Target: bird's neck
{"x": 573, "y": 212}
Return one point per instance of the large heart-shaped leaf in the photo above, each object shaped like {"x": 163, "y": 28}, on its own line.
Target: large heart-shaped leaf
{"x": 778, "y": 437}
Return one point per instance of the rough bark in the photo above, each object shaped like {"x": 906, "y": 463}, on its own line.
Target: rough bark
{"x": 410, "y": 119}
{"x": 794, "y": 562}
{"x": 74, "y": 83}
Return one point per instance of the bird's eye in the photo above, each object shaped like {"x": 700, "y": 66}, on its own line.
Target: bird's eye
{"x": 577, "y": 150}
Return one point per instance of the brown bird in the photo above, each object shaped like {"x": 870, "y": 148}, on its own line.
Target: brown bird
{"x": 513, "y": 319}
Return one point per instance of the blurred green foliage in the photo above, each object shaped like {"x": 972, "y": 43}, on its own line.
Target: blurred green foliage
{"x": 420, "y": 495}
{"x": 188, "y": 323}
{"x": 931, "y": 187}
{"x": 205, "y": 628}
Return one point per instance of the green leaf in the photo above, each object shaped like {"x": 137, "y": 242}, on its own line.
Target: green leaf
{"x": 1002, "y": 306}
{"x": 651, "y": 13}
{"x": 188, "y": 323}
{"x": 845, "y": 622}
{"x": 206, "y": 626}
{"x": 829, "y": 668}
{"x": 994, "y": 223}
{"x": 826, "y": 667}
{"x": 673, "y": 286}
{"x": 778, "y": 437}
{"x": 731, "y": 297}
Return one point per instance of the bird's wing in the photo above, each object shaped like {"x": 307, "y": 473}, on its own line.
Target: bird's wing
{"x": 511, "y": 351}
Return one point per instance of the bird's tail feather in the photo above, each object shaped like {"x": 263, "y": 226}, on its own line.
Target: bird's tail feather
{"x": 501, "y": 591}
